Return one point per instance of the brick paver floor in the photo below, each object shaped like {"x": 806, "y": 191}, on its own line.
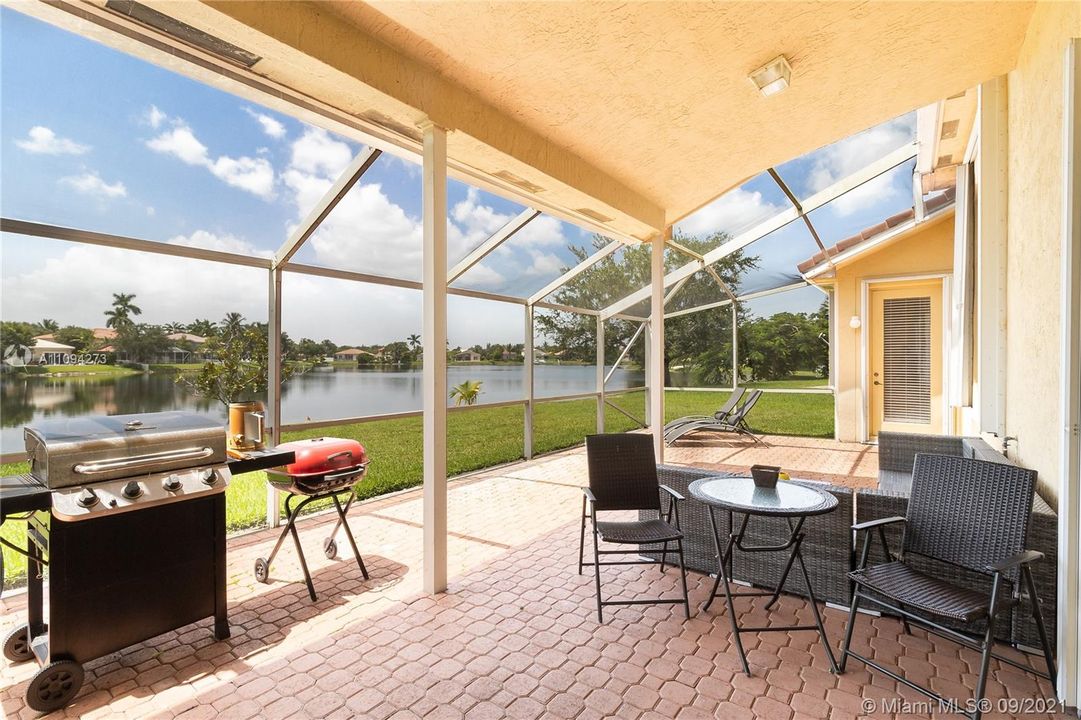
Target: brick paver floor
{"x": 515, "y": 636}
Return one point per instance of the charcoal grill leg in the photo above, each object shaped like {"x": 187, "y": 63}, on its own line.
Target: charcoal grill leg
{"x": 300, "y": 554}
{"x": 291, "y": 516}
{"x": 348, "y": 532}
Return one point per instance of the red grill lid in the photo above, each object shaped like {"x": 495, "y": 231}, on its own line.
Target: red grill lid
{"x": 319, "y": 456}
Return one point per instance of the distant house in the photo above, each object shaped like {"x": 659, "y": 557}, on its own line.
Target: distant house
{"x": 351, "y": 355}
{"x": 104, "y": 334}
{"x": 467, "y": 356}
{"x": 545, "y": 356}
{"x": 187, "y": 337}
{"x": 187, "y": 349}
{"x": 510, "y": 355}
{"x": 49, "y": 352}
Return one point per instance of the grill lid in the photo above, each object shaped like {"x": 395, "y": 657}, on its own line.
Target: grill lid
{"x": 129, "y": 427}
{"x": 74, "y": 451}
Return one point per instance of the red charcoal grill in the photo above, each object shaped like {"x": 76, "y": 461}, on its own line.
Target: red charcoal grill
{"x": 324, "y": 468}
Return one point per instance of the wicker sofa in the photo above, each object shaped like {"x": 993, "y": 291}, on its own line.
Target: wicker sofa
{"x": 896, "y": 453}
{"x": 827, "y": 549}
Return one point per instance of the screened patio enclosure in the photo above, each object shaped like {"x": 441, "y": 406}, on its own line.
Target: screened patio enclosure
{"x": 777, "y": 218}
{"x": 778, "y": 233}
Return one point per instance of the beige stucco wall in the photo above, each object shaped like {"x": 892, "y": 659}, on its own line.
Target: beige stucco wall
{"x": 1033, "y": 310}
{"x": 927, "y": 250}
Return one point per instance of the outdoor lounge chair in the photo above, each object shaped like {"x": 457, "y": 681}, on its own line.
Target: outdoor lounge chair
{"x": 966, "y": 529}
{"x": 623, "y": 476}
{"x": 734, "y": 422}
{"x": 721, "y": 415}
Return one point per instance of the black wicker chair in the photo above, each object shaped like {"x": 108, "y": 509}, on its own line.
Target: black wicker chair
{"x": 969, "y": 518}
{"x": 623, "y": 476}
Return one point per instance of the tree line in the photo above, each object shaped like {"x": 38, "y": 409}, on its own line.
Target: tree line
{"x": 770, "y": 348}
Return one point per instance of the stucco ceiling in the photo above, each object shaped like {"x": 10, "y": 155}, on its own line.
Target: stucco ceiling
{"x": 638, "y": 113}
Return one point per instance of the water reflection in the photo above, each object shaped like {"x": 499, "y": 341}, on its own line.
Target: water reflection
{"x": 321, "y": 394}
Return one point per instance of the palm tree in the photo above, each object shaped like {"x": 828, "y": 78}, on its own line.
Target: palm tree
{"x": 175, "y": 327}
{"x": 232, "y": 322}
{"x": 123, "y": 308}
{"x": 49, "y": 325}
{"x": 466, "y": 393}
{"x": 414, "y": 341}
{"x": 203, "y": 328}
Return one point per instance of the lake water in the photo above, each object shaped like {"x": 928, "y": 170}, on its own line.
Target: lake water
{"x": 320, "y": 394}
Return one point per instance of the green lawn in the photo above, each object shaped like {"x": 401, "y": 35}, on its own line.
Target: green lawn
{"x": 801, "y": 379}
{"x": 484, "y": 437}
{"x": 78, "y": 370}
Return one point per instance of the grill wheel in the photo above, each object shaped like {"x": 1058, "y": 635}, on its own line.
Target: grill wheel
{"x": 17, "y": 644}
{"x": 330, "y": 548}
{"x": 54, "y": 686}
{"x": 262, "y": 570}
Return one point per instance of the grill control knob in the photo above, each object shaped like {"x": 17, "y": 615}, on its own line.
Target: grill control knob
{"x": 208, "y": 476}
{"x": 132, "y": 490}
{"x": 172, "y": 483}
{"x": 87, "y": 498}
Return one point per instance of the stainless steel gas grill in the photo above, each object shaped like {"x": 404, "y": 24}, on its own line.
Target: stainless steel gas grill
{"x": 129, "y": 518}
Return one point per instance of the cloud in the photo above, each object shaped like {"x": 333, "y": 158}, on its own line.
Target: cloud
{"x": 89, "y": 183}
{"x": 181, "y": 142}
{"x": 254, "y": 175}
{"x": 43, "y": 141}
{"x": 369, "y": 232}
{"x": 271, "y": 126}
{"x": 209, "y": 289}
{"x": 221, "y": 242}
{"x": 317, "y": 153}
{"x": 733, "y": 212}
{"x": 154, "y": 117}
{"x": 855, "y": 152}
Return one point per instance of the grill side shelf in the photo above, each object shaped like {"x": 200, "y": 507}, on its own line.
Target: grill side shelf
{"x": 21, "y": 494}
{"x": 254, "y": 460}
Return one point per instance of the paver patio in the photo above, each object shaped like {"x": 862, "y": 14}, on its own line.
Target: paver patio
{"x": 516, "y": 635}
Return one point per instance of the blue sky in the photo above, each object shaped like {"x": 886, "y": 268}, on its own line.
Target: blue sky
{"x": 95, "y": 139}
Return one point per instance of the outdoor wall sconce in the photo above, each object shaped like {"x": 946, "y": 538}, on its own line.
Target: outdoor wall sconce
{"x": 854, "y": 322}
{"x": 773, "y": 77}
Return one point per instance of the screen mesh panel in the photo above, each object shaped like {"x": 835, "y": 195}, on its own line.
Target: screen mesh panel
{"x": 906, "y": 349}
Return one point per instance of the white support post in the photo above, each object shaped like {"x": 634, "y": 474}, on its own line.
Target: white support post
{"x": 274, "y": 383}
{"x": 434, "y": 333}
{"x": 600, "y": 374}
{"x": 656, "y": 342}
{"x": 991, "y": 180}
{"x": 527, "y": 360}
{"x": 646, "y": 360}
{"x": 735, "y": 347}
{"x": 1069, "y": 501}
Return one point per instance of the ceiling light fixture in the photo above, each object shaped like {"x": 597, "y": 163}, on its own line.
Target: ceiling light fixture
{"x": 773, "y": 77}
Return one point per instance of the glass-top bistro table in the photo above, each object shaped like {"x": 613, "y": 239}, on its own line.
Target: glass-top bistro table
{"x": 788, "y": 500}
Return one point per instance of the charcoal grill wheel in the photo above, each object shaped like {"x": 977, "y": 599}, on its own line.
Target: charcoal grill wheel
{"x": 262, "y": 570}
{"x": 330, "y": 548}
{"x": 54, "y": 686}
{"x": 17, "y": 644}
